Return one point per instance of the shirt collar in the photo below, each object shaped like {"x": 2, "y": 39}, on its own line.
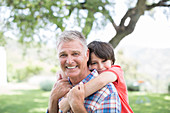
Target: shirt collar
{"x": 88, "y": 77}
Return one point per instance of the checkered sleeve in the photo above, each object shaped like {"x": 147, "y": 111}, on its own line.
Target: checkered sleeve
{"x": 110, "y": 104}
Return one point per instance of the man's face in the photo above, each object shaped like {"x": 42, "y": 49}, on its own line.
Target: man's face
{"x": 72, "y": 58}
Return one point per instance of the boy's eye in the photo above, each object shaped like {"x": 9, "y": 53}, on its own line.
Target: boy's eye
{"x": 93, "y": 63}
{"x": 104, "y": 60}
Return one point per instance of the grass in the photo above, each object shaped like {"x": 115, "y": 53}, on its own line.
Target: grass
{"x": 36, "y": 101}
{"x": 149, "y": 103}
{"x": 24, "y": 101}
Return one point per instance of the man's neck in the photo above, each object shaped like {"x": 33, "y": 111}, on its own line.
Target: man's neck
{"x": 78, "y": 79}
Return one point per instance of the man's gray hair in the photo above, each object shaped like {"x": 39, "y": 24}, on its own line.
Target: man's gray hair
{"x": 71, "y": 35}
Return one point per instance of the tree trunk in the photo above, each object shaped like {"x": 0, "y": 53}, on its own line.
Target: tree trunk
{"x": 122, "y": 30}
{"x": 3, "y": 73}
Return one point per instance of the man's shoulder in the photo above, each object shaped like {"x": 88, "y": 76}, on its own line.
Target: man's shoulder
{"x": 108, "y": 92}
{"x": 105, "y": 91}
{"x": 90, "y": 76}
{"x": 108, "y": 88}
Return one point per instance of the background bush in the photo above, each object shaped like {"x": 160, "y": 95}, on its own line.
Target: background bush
{"x": 133, "y": 87}
{"x": 21, "y": 74}
{"x": 46, "y": 85}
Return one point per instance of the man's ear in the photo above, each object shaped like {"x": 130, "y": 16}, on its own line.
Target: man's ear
{"x": 87, "y": 54}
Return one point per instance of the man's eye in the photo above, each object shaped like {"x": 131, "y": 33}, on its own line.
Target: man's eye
{"x": 75, "y": 54}
{"x": 62, "y": 55}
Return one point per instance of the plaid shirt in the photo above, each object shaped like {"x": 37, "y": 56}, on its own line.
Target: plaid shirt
{"x": 105, "y": 100}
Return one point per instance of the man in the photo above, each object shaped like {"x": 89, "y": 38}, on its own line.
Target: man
{"x": 73, "y": 56}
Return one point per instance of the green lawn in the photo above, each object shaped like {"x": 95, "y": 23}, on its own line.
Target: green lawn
{"x": 36, "y": 101}
{"x": 24, "y": 101}
{"x": 149, "y": 103}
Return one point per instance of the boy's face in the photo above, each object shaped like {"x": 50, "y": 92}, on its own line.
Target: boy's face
{"x": 99, "y": 64}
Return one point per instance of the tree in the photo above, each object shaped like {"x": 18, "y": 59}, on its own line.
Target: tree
{"x": 32, "y": 15}
{"x": 128, "y": 65}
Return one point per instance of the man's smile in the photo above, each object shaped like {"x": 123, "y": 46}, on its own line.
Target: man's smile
{"x": 71, "y": 67}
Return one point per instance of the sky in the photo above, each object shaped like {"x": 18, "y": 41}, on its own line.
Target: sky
{"x": 148, "y": 33}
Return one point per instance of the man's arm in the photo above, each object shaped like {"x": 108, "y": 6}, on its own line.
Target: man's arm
{"x": 60, "y": 88}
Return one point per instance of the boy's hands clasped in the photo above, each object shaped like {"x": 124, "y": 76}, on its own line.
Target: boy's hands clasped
{"x": 74, "y": 99}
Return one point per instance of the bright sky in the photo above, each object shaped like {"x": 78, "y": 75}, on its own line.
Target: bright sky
{"x": 150, "y": 33}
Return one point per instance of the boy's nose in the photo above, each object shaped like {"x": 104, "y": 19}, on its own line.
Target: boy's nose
{"x": 100, "y": 66}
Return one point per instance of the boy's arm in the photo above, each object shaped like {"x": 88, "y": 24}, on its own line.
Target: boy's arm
{"x": 91, "y": 87}
{"x": 99, "y": 82}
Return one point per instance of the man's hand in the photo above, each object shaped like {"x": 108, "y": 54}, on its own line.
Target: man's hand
{"x": 76, "y": 99}
{"x": 60, "y": 88}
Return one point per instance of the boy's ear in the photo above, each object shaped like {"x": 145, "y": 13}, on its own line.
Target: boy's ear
{"x": 90, "y": 67}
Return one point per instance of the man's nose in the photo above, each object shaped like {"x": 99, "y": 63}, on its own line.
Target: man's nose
{"x": 69, "y": 60}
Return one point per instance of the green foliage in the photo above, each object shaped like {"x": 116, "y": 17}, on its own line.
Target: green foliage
{"x": 35, "y": 61}
{"x": 22, "y": 74}
{"x": 169, "y": 88}
{"x": 2, "y": 39}
{"x": 46, "y": 85}
{"x": 128, "y": 65}
{"x": 54, "y": 69}
{"x": 32, "y": 15}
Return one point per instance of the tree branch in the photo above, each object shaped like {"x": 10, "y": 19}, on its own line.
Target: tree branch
{"x": 163, "y": 3}
{"x": 106, "y": 14}
{"x": 89, "y": 23}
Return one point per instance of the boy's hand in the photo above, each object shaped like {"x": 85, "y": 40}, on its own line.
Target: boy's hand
{"x": 76, "y": 99}
{"x": 64, "y": 105}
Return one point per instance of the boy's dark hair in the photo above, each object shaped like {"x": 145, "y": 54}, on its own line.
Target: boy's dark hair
{"x": 102, "y": 50}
